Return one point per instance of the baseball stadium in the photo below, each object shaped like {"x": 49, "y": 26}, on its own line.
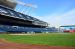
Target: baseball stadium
{"x": 19, "y": 30}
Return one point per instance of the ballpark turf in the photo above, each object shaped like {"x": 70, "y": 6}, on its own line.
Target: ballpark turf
{"x": 52, "y": 39}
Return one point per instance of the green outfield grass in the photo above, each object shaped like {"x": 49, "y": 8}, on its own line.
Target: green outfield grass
{"x": 52, "y": 39}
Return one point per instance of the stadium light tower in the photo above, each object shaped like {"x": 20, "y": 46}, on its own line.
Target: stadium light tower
{"x": 24, "y": 4}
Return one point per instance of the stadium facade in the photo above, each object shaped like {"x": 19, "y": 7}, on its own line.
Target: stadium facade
{"x": 12, "y": 21}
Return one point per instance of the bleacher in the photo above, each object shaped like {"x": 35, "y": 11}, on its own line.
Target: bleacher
{"x": 25, "y": 29}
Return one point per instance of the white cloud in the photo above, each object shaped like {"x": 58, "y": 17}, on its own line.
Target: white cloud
{"x": 56, "y": 19}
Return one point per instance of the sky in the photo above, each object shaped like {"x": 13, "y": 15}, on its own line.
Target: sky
{"x": 55, "y": 12}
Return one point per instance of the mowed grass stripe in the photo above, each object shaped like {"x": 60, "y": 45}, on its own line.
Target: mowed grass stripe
{"x": 53, "y": 39}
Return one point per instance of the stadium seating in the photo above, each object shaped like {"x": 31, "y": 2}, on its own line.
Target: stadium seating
{"x": 25, "y": 29}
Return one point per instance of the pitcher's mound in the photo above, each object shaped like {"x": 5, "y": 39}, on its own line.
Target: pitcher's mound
{"x": 8, "y": 45}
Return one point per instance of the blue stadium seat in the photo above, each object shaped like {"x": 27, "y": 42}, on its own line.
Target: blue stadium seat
{"x": 26, "y": 29}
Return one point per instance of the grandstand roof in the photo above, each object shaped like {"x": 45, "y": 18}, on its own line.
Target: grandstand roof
{"x": 7, "y": 12}
{"x": 68, "y": 26}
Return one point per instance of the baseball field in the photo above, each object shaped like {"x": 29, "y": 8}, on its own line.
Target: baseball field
{"x": 51, "y": 39}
